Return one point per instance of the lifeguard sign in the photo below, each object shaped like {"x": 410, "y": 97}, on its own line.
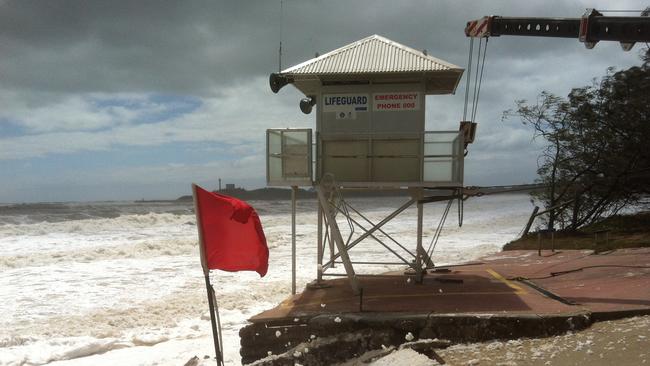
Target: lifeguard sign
{"x": 370, "y": 99}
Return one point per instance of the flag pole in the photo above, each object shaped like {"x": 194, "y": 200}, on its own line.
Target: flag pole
{"x": 206, "y": 272}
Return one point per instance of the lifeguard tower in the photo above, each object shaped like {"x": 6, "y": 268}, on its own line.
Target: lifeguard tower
{"x": 370, "y": 135}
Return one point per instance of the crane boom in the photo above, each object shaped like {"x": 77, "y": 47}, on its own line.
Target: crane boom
{"x": 591, "y": 28}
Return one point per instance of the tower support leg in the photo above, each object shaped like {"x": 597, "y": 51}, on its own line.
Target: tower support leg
{"x": 419, "y": 257}
{"x": 293, "y": 239}
{"x": 321, "y": 244}
{"x": 335, "y": 235}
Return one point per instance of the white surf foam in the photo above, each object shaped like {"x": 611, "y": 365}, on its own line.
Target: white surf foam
{"x": 129, "y": 290}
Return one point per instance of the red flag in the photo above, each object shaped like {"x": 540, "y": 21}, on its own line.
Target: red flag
{"x": 230, "y": 232}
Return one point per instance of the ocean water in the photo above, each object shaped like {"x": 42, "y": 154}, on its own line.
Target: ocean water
{"x": 120, "y": 283}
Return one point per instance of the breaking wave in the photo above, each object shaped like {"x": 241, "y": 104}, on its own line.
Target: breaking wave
{"x": 93, "y": 279}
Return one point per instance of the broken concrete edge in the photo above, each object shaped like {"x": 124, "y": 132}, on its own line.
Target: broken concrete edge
{"x": 600, "y": 316}
{"x": 377, "y": 330}
{"x": 326, "y": 351}
{"x": 302, "y": 350}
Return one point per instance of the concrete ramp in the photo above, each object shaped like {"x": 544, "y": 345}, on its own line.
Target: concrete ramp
{"x": 508, "y": 295}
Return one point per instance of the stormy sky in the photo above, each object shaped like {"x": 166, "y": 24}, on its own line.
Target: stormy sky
{"x": 119, "y": 100}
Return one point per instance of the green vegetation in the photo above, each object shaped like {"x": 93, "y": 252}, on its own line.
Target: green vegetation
{"x": 623, "y": 231}
{"x": 596, "y": 160}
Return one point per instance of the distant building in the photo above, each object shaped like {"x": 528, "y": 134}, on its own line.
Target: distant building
{"x": 230, "y": 186}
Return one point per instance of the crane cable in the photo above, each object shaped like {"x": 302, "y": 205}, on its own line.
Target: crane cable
{"x": 280, "y": 48}
{"x": 477, "y": 85}
{"x": 478, "y": 80}
{"x": 478, "y": 77}
{"x": 469, "y": 76}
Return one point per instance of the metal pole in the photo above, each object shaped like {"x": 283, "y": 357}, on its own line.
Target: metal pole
{"x": 293, "y": 239}
{"x": 330, "y": 240}
{"x": 321, "y": 246}
{"x": 213, "y": 322}
{"x": 418, "y": 252}
{"x": 206, "y": 273}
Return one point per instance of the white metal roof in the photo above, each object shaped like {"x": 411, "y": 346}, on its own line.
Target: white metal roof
{"x": 376, "y": 59}
{"x": 374, "y": 54}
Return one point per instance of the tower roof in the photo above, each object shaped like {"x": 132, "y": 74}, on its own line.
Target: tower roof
{"x": 377, "y": 59}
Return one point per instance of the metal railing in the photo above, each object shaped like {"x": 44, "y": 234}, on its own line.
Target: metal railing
{"x": 429, "y": 158}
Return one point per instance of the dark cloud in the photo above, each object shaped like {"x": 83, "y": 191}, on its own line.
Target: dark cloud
{"x": 182, "y": 47}
{"x": 194, "y": 46}
{"x": 60, "y": 55}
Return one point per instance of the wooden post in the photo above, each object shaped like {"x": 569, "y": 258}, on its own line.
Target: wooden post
{"x": 530, "y": 221}
{"x": 553, "y": 241}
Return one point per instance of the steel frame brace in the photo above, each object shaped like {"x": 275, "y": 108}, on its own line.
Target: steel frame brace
{"x": 591, "y": 28}
{"x": 331, "y": 203}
